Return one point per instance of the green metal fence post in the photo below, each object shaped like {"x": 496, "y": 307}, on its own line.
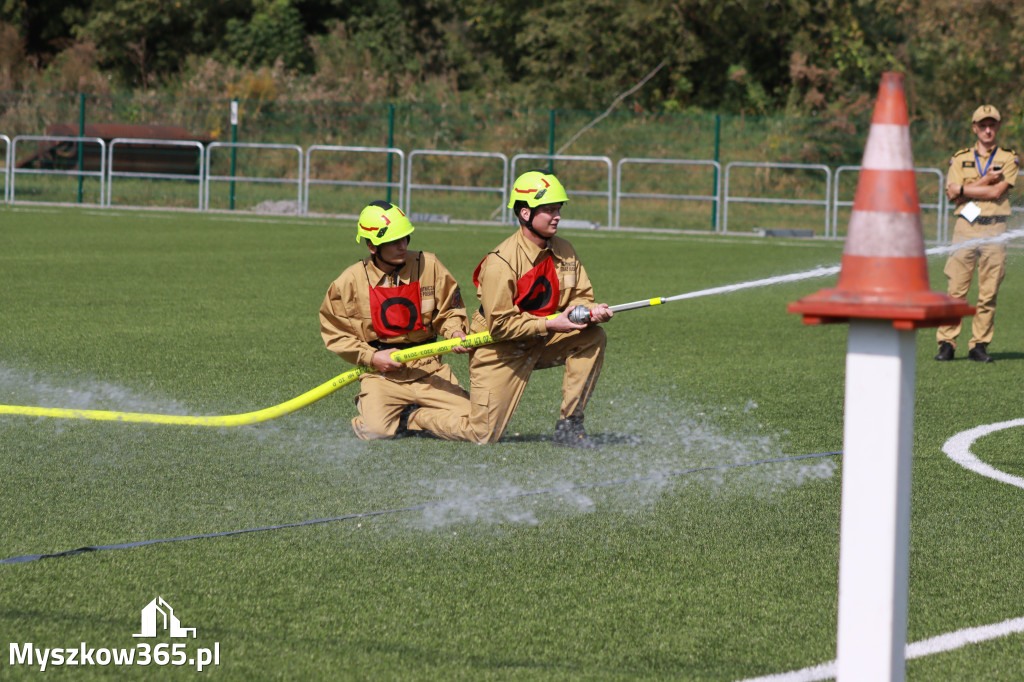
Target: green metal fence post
{"x": 234, "y": 150}
{"x": 551, "y": 142}
{"x": 391, "y": 143}
{"x": 81, "y": 133}
{"x": 714, "y": 191}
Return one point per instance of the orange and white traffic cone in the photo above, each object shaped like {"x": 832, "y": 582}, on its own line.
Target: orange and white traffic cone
{"x": 883, "y": 293}
{"x": 884, "y": 273}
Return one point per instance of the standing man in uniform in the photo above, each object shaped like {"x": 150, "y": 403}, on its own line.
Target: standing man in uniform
{"x": 391, "y": 300}
{"x": 979, "y": 183}
{"x": 529, "y": 276}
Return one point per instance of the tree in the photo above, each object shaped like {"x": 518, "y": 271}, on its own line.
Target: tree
{"x": 274, "y": 31}
{"x": 964, "y": 54}
{"x": 579, "y": 53}
{"x": 44, "y": 25}
{"x": 142, "y": 39}
{"x": 12, "y": 55}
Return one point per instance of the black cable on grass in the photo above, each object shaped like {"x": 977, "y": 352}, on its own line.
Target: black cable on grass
{"x": 416, "y": 507}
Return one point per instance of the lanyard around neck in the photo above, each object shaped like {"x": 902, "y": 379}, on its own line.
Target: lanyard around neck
{"x": 977, "y": 161}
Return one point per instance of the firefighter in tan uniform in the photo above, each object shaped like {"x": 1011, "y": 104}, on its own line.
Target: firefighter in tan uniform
{"x": 527, "y": 278}
{"x": 979, "y": 183}
{"x": 391, "y": 300}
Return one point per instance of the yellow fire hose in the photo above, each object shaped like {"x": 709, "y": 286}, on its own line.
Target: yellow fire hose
{"x": 297, "y": 403}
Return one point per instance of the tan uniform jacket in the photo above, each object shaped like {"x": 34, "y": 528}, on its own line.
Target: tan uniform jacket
{"x": 346, "y": 323}
{"x": 502, "y": 268}
{"x": 988, "y": 258}
{"x": 963, "y": 170}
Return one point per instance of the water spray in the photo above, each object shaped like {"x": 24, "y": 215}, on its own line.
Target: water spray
{"x": 579, "y": 315}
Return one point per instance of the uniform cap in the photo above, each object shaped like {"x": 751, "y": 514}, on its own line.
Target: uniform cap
{"x": 985, "y": 111}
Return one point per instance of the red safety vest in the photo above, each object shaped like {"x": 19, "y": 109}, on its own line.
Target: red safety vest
{"x": 396, "y": 310}
{"x": 537, "y": 290}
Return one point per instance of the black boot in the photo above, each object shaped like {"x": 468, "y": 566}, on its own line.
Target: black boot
{"x": 980, "y": 353}
{"x": 403, "y": 422}
{"x": 570, "y": 433}
{"x": 946, "y": 351}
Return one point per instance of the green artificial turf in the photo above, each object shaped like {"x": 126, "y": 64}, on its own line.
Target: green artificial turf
{"x": 516, "y": 560}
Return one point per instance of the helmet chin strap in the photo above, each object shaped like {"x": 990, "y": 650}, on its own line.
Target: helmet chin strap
{"x": 529, "y": 223}
{"x": 378, "y": 261}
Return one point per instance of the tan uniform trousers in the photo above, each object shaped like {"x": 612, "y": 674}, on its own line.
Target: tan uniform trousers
{"x": 990, "y": 259}
{"x": 499, "y": 373}
{"x": 380, "y": 401}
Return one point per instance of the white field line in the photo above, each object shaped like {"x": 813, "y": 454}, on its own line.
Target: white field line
{"x": 958, "y": 449}
{"x": 926, "y": 647}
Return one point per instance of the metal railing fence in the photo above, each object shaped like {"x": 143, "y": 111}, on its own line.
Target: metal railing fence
{"x": 604, "y": 160}
{"x": 233, "y": 178}
{"x": 727, "y": 198}
{"x": 129, "y": 142}
{"x": 939, "y": 206}
{"x": 301, "y": 173}
{"x": 423, "y": 153}
{"x": 388, "y": 184}
{"x": 7, "y": 167}
{"x": 59, "y": 154}
{"x": 714, "y": 198}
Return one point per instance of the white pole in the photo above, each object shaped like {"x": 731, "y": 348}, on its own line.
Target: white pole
{"x": 875, "y": 523}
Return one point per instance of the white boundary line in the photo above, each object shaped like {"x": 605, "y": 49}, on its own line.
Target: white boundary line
{"x": 958, "y": 449}
{"x": 925, "y": 647}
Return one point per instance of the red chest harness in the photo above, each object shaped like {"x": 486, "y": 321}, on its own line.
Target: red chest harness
{"x": 536, "y": 291}
{"x": 395, "y": 311}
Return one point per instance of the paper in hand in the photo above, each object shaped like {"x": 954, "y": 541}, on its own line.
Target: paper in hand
{"x": 970, "y": 211}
